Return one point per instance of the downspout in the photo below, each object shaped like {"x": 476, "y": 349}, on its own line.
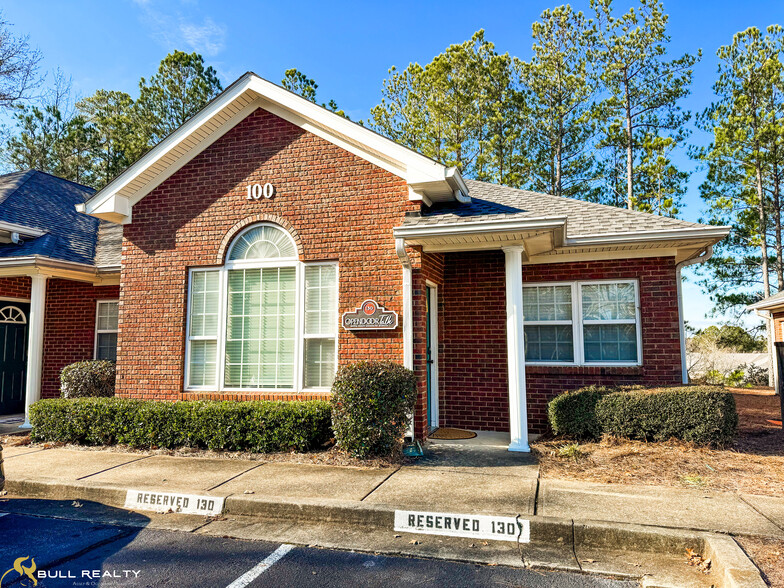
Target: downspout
{"x": 706, "y": 255}
{"x": 773, "y": 358}
{"x": 408, "y": 314}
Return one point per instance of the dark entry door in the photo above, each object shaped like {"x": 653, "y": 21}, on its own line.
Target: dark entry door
{"x": 13, "y": 355}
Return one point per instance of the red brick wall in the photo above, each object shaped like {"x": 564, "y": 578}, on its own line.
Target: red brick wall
{"x": 473, "y": 386}
{"x": 16, "y": 287}
{"x": 778, "y": 321}
{"x": 339, "y": 206}
{"x": 69, "y": 327}
{"x": 69, "y": 323}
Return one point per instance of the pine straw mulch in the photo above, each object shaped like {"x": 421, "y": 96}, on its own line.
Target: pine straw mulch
{"x": 768, "y": 554}
{"x": 754, "y": 464}
{"x": 327, "y": 456}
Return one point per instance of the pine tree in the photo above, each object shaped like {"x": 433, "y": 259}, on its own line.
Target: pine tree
{"x": 644, "y": 88}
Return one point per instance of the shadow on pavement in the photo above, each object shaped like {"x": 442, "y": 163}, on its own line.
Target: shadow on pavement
{"x": 41, "y": 537}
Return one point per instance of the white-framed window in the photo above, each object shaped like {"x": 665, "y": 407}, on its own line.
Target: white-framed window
{"x": 583, "y": 323}
{"x": 264, "y": 320}
{"x": 106, "y": 315}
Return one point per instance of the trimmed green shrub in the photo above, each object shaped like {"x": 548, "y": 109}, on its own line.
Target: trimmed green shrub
{"x": 573, "y": 414}
{"x": 699, "y": 414}
{"x": 88, "y": 379}
{"x": 255, "y": 426}
{"x": 371, "y": 404}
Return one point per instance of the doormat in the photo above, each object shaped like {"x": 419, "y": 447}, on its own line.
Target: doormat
{"x": 452, "y": 434}
{"x": 11, "y": 420}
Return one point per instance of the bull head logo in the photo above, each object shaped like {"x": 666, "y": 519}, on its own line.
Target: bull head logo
{"x": 22, "y": 570}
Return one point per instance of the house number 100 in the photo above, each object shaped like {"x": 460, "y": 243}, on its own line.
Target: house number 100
{"x": 256, "y": 191}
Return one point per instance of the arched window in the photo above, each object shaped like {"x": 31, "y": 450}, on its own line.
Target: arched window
{"x": 263, "y": 242}
{"x": 12, "y": 314}
{"x": 265, "y": 320}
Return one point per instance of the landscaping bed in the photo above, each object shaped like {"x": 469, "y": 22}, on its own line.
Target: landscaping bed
{"x": 753, "y": 463}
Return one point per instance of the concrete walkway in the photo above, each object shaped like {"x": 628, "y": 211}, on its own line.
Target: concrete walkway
{"x": 624, "y": 531}
{"x": 450, "y": 478}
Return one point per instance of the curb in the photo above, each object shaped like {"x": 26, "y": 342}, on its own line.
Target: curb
{"x": 730, "y": 562}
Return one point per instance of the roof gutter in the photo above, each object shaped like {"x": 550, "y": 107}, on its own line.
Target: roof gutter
{"x": 478, "y": 227}
{"x": 39, "y": 265}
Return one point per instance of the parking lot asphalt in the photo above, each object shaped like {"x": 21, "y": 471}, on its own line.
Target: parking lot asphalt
{"x": 66, "y": 552}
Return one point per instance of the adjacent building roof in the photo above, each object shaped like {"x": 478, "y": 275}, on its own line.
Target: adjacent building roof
{"x": 41, "y": 209}
{"x": 775, "y": 302}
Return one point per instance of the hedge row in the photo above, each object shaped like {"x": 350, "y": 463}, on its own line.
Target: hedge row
{"x": 700, "y": 414}
{"x": 256, "y": 426}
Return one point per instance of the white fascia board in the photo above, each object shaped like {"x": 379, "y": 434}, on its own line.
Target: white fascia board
{"x": 717, "y": 233}
{"x": 417, "y": 167}
{"x": 169, "y": 143}
{"x": 56, "y": 268}
{"x": 479, "y": 227}
{"x": 767, "y": 304}
{"x": 413, "y": 167}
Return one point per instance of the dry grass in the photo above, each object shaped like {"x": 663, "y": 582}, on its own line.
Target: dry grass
{"x": 768, "y": 554}
{"x": 754, "y": 464}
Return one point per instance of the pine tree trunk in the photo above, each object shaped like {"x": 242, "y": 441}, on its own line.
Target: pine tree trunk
{"x": 777, "y": 222}
{"x": 763, "y": 230}
{"x": 629, "y": 148}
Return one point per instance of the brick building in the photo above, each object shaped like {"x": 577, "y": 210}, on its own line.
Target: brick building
{"x": 268, "y": 241}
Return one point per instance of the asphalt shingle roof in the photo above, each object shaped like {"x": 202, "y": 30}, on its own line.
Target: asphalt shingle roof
{"x": 491, "y": 202}
{"x": 38, "y": 200}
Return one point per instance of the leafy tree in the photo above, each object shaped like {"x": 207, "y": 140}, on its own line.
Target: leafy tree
{"x": 18, "y": 66}
{"x": 297, "y": 82}
{"x": 643, "y": 87}
{"x": 732, "y": 338}
{"x": 182, "y": 86}
{"x": 560, "y": 113}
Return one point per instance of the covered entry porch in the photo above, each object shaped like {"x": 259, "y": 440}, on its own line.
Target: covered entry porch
{"x": 469, "y": 330}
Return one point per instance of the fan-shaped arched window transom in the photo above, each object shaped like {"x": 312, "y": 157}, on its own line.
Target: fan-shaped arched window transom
{"x": 265, "y": 320}
{"x": 12, "y": 314}
{"x": 263, "y": 242}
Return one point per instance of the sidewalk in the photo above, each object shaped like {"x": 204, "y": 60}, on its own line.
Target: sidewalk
{"x": 449, "y": 479}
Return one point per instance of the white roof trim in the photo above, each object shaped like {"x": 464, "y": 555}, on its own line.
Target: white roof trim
{"x": 665, "y": 235}
{"x": 428, "y": 179}
{"x": 23, "y": 230}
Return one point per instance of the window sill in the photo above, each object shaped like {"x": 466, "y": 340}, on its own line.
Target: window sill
{"x": 321, "y": 394}
{"x": 599, "y": 370}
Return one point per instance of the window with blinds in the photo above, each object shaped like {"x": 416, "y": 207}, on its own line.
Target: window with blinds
{"x": 263, "y": 321}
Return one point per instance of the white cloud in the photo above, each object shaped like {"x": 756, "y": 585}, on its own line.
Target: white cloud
{"x": 207, "y": 38}
{"x": 174, "y": 30}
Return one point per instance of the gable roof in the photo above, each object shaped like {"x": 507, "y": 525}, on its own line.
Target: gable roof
{"x": 41, "y": 209}
{"x": 428, "y": 180}
{"x": 584, "y": 221}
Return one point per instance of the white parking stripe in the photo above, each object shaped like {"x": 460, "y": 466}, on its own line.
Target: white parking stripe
{"x": 258, "y": 570}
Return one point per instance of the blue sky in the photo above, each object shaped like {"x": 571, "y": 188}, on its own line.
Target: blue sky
{"x": 346, "y": 47}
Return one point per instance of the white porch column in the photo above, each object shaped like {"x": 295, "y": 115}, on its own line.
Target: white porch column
{"x": 35, "y": 345}
{"x": 515, "y": 344}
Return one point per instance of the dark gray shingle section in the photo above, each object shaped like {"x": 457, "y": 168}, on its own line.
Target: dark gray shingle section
{"x": 494, "y": 202}
{"x": 48, "y": 203}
